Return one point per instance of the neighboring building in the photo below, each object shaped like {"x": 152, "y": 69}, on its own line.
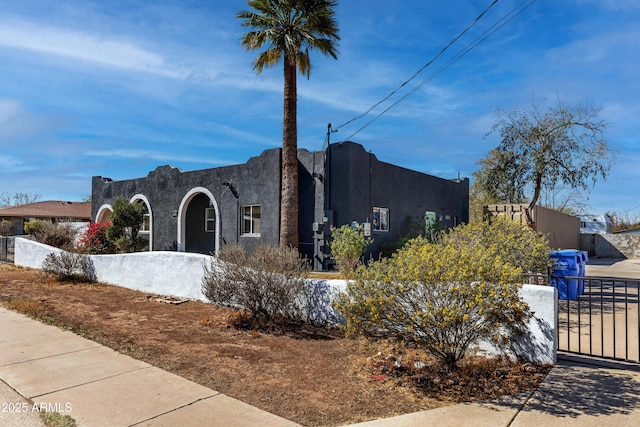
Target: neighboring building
{"x": 595, "y": 224}
{"x": 202, "y": 211}
{"x": 53, "y": 211}
{"x": 562, "y": 230}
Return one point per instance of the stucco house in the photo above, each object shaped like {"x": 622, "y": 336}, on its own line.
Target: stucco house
{"x": 51, "y": 210}
{"x": 202, "y": 211}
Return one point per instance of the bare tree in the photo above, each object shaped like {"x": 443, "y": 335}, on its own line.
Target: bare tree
{"x": 15, "y": 199}
{"x": 623, "y": 220}
{"x": 563, "y": 199}
{"x": 562, "y": 146}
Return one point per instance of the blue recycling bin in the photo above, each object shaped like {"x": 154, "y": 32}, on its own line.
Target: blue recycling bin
{"x": 567, "y": 264}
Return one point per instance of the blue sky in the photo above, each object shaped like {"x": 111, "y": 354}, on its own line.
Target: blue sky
{"x": 117, "y": 88}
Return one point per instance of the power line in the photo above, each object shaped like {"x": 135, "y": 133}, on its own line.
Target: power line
{"x": 423, "y": 67}
{"x": 485, "y": 35}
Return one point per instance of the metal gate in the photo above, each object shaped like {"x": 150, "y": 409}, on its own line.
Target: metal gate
{"x": 7, "y": 249}
{"x": 603, "y": 320}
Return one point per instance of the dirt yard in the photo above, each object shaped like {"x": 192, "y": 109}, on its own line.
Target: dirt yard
{"x": 310, "y": 376}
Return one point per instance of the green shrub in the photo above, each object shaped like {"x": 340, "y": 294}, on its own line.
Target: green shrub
{"x": 34, "y": 226}
{"x": 449, "y": 295}
{"x": 347, "y": 246}
{"x": 270, "y": 283}
{"x": 68, "y": 266}
{"x": 126, "y": 221}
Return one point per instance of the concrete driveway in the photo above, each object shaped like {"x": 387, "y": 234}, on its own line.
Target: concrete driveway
{"x": 609, "y": 267}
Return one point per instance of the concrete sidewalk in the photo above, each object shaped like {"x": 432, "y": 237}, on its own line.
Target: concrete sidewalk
{"x": 579, "y": 394}
{"x": 97, "y": 386}
{"x": 573, "y": 394}
{"x": 44, "y": 366}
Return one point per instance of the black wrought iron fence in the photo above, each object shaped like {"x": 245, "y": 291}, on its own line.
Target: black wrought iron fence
{"x": 7, "y": 249}
{"x": 536, "y": 279}
{"x": 600, "y": 317}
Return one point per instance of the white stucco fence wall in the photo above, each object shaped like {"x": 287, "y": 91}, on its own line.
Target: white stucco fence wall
{"x": 539, "y": 343}
{"x": 179, "y": 274}
{"x": 28, "y": 253}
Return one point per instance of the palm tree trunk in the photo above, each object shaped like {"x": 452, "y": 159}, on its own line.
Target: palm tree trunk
{"x": 289, "y": 192}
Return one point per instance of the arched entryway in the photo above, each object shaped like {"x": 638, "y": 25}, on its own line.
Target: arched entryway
{"x": 104, "y": 213}
{"x": 198, "y": 224}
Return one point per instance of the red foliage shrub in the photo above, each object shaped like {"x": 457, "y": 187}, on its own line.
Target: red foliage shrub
{"x": 95, "y": 241}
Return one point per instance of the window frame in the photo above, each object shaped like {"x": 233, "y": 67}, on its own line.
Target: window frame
{"x": 209, "y": 221}
{"x": 377, "y": 215}
{"x": 145, "y": 227}
{"x": 252, "y": 219}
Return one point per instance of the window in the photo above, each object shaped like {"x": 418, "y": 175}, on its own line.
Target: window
{"x": 380, "y": 219}
{"x": 251, "y": 220}
{"x": 146, "y": 221}
{"x": 145, "y": 227}
{"x": 210, "y": 220}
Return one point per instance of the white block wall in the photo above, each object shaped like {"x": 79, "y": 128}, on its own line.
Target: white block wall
{"x": 180, "y": 274}
{"x": 177, "y": 274}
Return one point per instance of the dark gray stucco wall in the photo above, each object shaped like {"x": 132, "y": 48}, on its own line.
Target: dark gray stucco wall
{"x": 256, "y": 183}
{"x": 336, "y": 186}
{"x": 311, "y": 178}
{"x": 359, "y": 182}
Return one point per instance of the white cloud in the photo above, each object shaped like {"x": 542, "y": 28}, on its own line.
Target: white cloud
{"x": 18, "y": 122}
{"x": 615, "y": 5}
{"x": 612, "y": 50}
{"x": 9, "y": 109}
{"x": 83, "y": 46}
{"x": 11, "y": 164}
{"x": 154, "y": 155}
{"x": 248, "y": 82}
{"x": 246, "y": 136}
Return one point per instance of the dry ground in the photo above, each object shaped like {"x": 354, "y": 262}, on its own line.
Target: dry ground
{"x": 310, "y": 376}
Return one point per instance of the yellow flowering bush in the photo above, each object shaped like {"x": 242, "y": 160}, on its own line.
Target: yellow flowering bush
{"x": 514, "y": 243}
{"x": 448, "y": 295}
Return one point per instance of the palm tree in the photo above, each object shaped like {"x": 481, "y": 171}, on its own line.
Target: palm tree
{"x": 289, "y": 29}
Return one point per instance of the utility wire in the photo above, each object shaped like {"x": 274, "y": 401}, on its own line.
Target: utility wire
{"x": 488, "y": 33}
{"x": 424, "y": 66}
{"x": 485, "y": 35}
